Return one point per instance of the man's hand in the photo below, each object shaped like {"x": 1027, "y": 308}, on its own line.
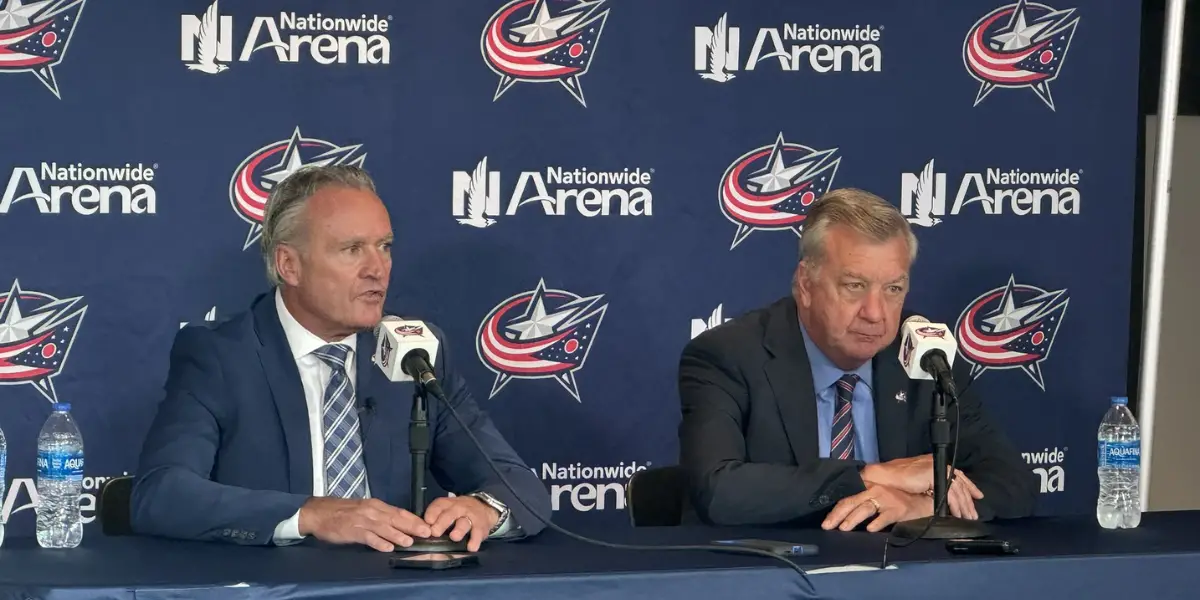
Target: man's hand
{"x": 915, "y": 476}
{"x": 371, "y": 522}
{"x": 887, "y": 505}
{"x": 462, "y": 515}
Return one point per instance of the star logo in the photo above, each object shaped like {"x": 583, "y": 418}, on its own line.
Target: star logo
{"x": 772, "y": 187}
{"x": 527, "y": 41}
{"x": 539, "y": 334}
{"x": 259, "y": 173}
{"x": 1011, "y": 327}
{"x": 37, "y": 331}
{"x": 1021, "y": 45}
{"x": 34, "y": 37}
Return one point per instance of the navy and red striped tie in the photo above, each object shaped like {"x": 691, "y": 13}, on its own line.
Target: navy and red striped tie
{"x": 841, "y": 445}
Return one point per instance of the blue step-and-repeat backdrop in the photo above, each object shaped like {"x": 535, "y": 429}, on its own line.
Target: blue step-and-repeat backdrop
{"x": 642, "y": 167}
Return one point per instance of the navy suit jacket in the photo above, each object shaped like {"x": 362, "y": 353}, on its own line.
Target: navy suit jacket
{"x": 228, "y": 455}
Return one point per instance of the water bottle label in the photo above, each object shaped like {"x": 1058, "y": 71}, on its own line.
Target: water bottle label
{"x": 1120, "y": 454}
{"x": 60, "y": 466}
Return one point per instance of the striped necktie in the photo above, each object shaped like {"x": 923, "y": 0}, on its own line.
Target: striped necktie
{"x": 345, "y": 471}
{"x": 841, "y": 445}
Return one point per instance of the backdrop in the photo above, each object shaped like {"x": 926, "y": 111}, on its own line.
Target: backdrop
{"x": 635, "y": 171}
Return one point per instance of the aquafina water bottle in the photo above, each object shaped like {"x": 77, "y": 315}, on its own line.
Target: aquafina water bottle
{"x": 1119, "y": 466}
{"x": 59, "y": 480}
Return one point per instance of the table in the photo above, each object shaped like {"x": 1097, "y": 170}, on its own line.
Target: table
{"x": 1061, "y": 558}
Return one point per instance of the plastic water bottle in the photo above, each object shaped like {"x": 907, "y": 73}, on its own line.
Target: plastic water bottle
{"x": 1118, "y": 466}
{"x": 59, "y": 480}
{"x": 3, "y": 463}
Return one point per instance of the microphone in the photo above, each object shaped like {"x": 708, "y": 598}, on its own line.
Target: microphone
{"x": 927, "y": 352}
{"x": 417, "y": 347}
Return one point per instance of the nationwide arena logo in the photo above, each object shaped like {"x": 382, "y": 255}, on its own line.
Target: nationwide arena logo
{"x": 539, "y": 334}
{"x": 1020, "y": 45}
{"x": 260, "y": 172}
{"x": 717, "y": 50}
{"x": 1011, "y": 327}
{"x": 995, "y": 191}
{"x": 528, "y": 41}
{"x": 207, "y": 40}
{"x": 37, "y": 331}
{"x": 34, "y": 37}
{"x": 771, "y": 187}
{"x": 85, "y": 189}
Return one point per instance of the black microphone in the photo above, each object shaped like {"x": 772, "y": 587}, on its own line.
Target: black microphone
{"x": 416, "y": 344}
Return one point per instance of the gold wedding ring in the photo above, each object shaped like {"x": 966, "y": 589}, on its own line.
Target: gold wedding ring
{"x": 876, "y": 503}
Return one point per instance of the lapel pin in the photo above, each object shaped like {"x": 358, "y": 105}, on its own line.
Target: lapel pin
{"x": 901, "y": 397}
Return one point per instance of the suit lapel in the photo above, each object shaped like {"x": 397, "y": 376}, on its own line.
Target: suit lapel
{"x": 891, "y": 390}
{"x": 376, "y": 437}
{"x": 791, "y": 380}
{"x": 284, "y": 380}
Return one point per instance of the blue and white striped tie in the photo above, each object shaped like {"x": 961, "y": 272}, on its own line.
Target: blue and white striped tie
{"x": 841, "y": 446}
{"x": 345, "y": 471}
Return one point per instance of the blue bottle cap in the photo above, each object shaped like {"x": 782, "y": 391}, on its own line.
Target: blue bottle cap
{"x": 1122, "y": 400}
{"x": 62, "y": 406}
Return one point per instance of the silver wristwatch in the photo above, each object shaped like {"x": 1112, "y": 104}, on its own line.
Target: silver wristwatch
{"x": 491, "y": 501}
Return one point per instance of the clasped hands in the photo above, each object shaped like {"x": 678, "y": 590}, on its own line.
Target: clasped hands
{"x": 382, "y": 526}
{"x": 900, "y": 490}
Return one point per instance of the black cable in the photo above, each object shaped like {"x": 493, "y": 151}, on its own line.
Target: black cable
{"x": 708, "y": 548}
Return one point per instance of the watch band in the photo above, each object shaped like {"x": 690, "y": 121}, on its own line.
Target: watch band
{"x": 491, "y": 501}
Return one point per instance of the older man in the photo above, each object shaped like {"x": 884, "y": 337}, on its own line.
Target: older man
{"x": 799, "y": 413}
{"x": 276, "y": 426}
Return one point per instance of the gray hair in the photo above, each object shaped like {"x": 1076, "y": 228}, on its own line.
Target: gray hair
{"x": 283, "y": 218}
{"x": 863, "y": 212}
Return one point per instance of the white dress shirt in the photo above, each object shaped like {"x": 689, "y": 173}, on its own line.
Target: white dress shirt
{"x": 314, "y": 376}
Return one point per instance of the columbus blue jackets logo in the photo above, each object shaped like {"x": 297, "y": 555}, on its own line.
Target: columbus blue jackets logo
{"x": 538, "y": 41}
{"x": 254, "y": 179}
{"x": 1011, "y": 327}
{"x": 1020, "y": 45}
{"x": 539, "y": 334}
{"x": 773, "y": 186}
{"x": 34, "y": 37}
{"x": 407, "y": 330}
{"x": 936, "y": 332}
{"x": 36, "y": 334}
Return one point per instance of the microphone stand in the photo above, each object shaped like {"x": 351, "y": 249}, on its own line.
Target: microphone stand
{"x": 940, "y": 526}
{"x": 418, "y": 446}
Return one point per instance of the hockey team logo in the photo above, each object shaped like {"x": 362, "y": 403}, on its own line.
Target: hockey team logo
{"x": 385, "y": 351}
{"x": 206, "y": 41}
{"x": 37, "y": 331}
{"x": 906, "y": 351}
{"x": 717, "y": 317}
{"x": 994, "y": 191}
{"x": 772, "y": 187}
{"x": 718, "y": 55}
{"x": 408, "y": 330}
{"x": 34, "y": 37}
{"x": 539, "y": 334}
{"x": 527, "y": 41}
{"x": 260, "y": 172}
{"x": 1011, "y": 327}
{"x": 1020, "y": 45}
{"x": 476, "y": 199}
{"x": 934, "y": 332}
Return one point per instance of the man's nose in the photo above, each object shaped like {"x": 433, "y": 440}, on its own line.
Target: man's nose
{"x": 872, "y": 309}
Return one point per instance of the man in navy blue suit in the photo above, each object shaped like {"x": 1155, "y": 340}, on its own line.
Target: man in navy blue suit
{"x": 276, "y": 424}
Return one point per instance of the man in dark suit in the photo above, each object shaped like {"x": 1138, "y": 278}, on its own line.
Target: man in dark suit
{"x": 800, "y": 413}
{"x": 276, "y": 424}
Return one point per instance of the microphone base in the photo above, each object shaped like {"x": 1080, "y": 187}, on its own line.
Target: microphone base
{"x": 436, "y": 544}
{"x": 943, "y": 528}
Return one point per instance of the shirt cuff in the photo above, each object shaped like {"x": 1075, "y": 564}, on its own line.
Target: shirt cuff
{"x": 288, "y": 532}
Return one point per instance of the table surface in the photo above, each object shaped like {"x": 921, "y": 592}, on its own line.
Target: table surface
{"x": 136, "y": 563}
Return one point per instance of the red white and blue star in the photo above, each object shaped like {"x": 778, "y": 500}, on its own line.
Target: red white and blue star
{"x": 36, "y": 334}
{"x": 34, "y": 37}
{"x": 533, "y": 42}
{"x": 1020, "y": 45}
{"x": 1011, "y": 327}
{"x": 772, "y": 187}
{"x": 540, "y": 334}
{"x": 259, "y": 173}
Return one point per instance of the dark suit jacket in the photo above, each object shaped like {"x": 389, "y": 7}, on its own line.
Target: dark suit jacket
{"x": 228, "y": 455}
{"x": 748, "y": 439}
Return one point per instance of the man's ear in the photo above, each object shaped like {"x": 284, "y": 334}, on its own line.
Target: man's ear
{"x": 288, "y": 264}
{"x": 802, "y": 284}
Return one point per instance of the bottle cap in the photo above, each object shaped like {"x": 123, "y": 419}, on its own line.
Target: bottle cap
{"x": 1122, "y": 400}
{"x": 62, "y": 406}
